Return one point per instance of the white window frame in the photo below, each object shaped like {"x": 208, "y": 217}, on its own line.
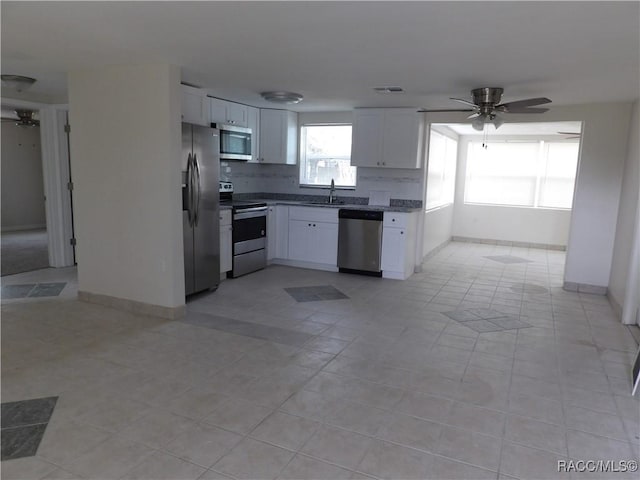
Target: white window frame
{"x": 447, "y": 138}
{"x": 543, "y": 148}
{"x": 302, "y": 159}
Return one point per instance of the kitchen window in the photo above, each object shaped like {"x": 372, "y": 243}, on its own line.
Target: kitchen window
{"x": 441, "y": 171}
{"x": 530, "y": 173}
{"x": 325, "y": 154}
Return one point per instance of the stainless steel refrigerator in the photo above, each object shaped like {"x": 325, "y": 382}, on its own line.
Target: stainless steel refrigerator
{"x": 200, "y": 207}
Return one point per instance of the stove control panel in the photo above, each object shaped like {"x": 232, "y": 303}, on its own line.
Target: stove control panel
{"x": 226, "y": 187}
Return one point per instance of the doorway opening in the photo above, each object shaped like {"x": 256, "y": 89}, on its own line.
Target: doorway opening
{"x": 24, "y": 245}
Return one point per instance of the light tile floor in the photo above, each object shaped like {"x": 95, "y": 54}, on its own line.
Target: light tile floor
{"x": 384, "y": 385}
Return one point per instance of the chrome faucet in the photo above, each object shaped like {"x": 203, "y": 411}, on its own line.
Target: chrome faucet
{"x": 332, "y": 192}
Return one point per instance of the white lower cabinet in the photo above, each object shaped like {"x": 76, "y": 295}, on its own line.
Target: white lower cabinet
{"x": 398, "y": 245}
{"x": 226, "y": 240}
{"x": 313, "y": 235}
{"x": 314, "y": 242}
{"x": 277, "y": 232}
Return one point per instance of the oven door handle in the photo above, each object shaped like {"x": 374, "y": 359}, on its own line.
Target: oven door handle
{"x": 250, "y": 213}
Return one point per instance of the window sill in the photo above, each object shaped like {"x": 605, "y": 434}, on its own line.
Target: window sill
{"x": 528, "y": 207}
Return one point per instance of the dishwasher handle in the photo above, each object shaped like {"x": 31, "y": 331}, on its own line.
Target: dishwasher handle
{"x": 375, "y": 215}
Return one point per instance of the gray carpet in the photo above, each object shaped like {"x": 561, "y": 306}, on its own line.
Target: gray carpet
{"x": 24, "y": 251}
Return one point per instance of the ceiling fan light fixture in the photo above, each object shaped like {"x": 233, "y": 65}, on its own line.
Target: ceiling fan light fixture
{"x": 286, "y": 98}
{"x": 19, "y": 83}
{"x": 478, "y": 123}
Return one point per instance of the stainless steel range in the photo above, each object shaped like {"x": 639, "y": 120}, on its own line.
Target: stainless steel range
{"x": 249, "y": 224}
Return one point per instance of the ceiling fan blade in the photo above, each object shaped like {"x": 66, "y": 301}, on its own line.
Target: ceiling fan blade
{"x": 577, "y": 134}
{"x": 518, "y": 104}
{"x": 466, "y": 102}
{"x": 422, "y": 110}
{"x": 474, "y": 115}
{"x": 524, "y": 110}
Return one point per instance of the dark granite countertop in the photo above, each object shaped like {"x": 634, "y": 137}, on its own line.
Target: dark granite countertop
{"x": 355, "y": 203}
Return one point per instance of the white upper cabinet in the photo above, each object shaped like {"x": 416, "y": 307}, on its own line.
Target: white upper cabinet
{"x": 253, "y": 122}
{"x": 229, "y": 113}
{"x": 387, "y": 138}
{"x": 366, "y": 144}
{"x": 278, "y": 136}
{"x": 195, "y": 106}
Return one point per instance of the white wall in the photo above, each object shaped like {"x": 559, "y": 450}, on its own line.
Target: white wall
{"x": 247, "y": 177}
{"x": 627, "y": 218}
{"x": 513, "y": 224}
{"x": 22, "y": 182}
{"x": 595, "y": 207}
{"x": 438, "y": 228}
{"x": 125, "y": 154}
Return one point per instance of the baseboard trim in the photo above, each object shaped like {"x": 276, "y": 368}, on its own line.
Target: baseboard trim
{"x": 19, "y": 228}
{"x": 300, "y": 264}
{"x": 508, "y": 243}
{"x": 133, "y": 306}
{"x": 617, "y": 308}
{"x": 435, "y": 250}
{"x": 585, "y": 288}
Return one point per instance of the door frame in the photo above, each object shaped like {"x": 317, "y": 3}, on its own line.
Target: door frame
{"x": 55, "y": 171}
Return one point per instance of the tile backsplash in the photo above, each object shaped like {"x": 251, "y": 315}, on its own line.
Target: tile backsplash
{"x": 250, "y": 177}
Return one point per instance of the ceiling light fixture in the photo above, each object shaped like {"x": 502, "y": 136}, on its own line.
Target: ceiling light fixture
{"x": 282, "y": 97}
{"x": 19, "y": 83}
{"x": 388, "y": 89}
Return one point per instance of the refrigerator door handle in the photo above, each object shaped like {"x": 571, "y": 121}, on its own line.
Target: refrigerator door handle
{"x": 189, "y": 181}
{"x": 197, "y": 182}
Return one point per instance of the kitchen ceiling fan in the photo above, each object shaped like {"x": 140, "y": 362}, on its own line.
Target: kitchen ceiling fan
{"x": 26, "y": 118}
{"x": 486, "y": 106}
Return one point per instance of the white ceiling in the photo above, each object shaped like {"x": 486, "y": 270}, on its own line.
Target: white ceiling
{"x": 335, "y": 52}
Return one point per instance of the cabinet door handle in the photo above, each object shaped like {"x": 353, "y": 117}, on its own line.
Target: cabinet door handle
{"x": 393, "y": 219}
{"x": 401, "y": 232}
{"x": 309, "y": 224}
{"x": 314, "y": 224}
{"x": 383, "y": 163}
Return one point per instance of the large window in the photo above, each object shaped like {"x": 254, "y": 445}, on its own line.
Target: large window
{"x": 525, "y": 173}
{"x": 325, "y": 154}
{"x": 441, "y": 172}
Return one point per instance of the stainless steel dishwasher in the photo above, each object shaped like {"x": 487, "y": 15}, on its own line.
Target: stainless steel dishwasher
{"x": 360, "y": 241}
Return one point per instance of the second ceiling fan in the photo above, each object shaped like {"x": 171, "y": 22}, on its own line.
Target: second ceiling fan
{"x": 486, "y": 106}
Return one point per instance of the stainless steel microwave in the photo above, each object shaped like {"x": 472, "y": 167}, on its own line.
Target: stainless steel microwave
{"x": 235, "y": 142}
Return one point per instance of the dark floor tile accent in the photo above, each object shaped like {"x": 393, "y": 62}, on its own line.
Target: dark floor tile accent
{"x": 21, "y": 441}
{"x": 486, "y": 313}
{"x": 315, "y": 293}
{"x": 248, "y": 329}
{"x": 507, "y": 259}
{"x": 462, "y": 315}
{"x": 486, "y": 320}
{"x": 17, "y": 291}
{"x": 509, "y": 323}
{"x": 47, "y": 289}
{"x": 27, "y": 412}
{"x": 472, "y": 314}
{"x": 23, "y": 425}
{"x": 528, "y": 288}
{"x": 483, "y": 326}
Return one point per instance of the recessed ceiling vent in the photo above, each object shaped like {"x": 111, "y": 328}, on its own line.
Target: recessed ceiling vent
{"x": 388, "y": 89}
